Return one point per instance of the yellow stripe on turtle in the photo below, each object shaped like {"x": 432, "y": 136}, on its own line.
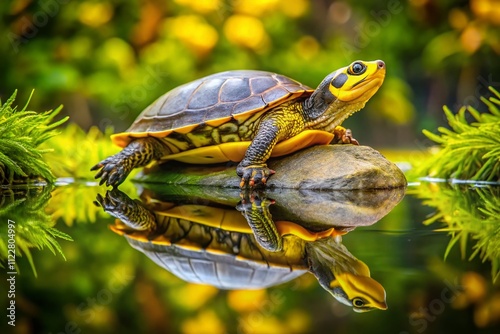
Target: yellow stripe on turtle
{"x": 229, "y": 220}
{"x": 123, "y": 139}
{"x": 235, "y": 151}
{"x": 285, "y": 227}
{"x": 185, "y": 129}
{"x": 218, "y": 122}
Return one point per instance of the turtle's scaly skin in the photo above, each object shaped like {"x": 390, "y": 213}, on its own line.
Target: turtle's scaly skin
{"x": 256, "y": 212}
{"x": 127, "y": 210}
{"x": 138, "y": 153}
{"x": 245, "y": 116}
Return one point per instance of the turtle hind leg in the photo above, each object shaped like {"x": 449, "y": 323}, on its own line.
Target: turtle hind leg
{"x": 140, "y": 152}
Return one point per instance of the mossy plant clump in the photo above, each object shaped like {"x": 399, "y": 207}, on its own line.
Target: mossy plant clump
{"x": 33, "y": 226}
{"x": 468, "y": 214}
{"x": 469, "y": 150}
{"x": 21, "y": 133}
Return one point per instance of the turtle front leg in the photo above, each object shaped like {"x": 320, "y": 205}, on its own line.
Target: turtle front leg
{"x": 140, "y": 152}
{"x": 253, "y": 169}
{"x": 255, "y": 209}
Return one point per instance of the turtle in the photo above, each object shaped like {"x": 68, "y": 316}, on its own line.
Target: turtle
{"x": 244, "y": 116}
{"x": 212, "y": 244}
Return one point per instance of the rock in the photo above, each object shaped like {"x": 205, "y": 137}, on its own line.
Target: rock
{"x": 316, "y": 209}
{"x": 313, "y": 209}
{"x": 326, "y": 167}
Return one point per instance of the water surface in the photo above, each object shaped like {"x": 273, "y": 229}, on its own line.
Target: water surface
{"x": 103, "y": 285}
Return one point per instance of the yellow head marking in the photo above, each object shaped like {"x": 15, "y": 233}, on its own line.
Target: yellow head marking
{"x": 358, "y": 82}
{"x": 363, "y": 292}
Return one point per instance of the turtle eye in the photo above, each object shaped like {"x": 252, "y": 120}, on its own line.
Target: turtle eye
{"x": 357, "y": 68}
{"x": 358, "y": 302}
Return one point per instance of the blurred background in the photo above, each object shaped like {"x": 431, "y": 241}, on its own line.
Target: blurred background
{"x": 107, "y": 60}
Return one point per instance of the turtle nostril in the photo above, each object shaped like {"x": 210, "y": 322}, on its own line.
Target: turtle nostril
{"x": 380, "y": 64}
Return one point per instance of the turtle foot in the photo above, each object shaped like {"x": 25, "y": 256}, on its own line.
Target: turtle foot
{"x": 115, "y": 202}
{"x": 130, "y": 212}
{"x": 254, "y": 175}
{"x": 112, "y": 171}
{"x": 343, "y": 136}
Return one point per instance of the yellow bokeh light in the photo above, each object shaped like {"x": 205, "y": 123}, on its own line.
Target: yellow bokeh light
{"x": 202, "y": 6}
{"x": 475, "y": 286}
{"x": 246, "y": 300}
{"x": 294, "y": 8}
{"x": 486, "y": 10}
{"x": 458, "y": 19}
{"x": 206, "y": 322}
{"x": 262, "y": 323}
{"x": 193, "y": 296}
{"x": 18, "y": 6}
{"x": 195, "y": 32}
{"x": 246, "y": 31}
{"x": 255, "y": 7}
{"x": 471, "y": 39}
{"x": 482, "y": 8}
{"x": 298, "y": 321}
{"x": 307, "y": 47}
{"x": 95, "y": 14}
{"x": 118, "y": 52}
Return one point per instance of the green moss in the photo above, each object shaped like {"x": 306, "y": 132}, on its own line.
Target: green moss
{"x": 21, "y": 133}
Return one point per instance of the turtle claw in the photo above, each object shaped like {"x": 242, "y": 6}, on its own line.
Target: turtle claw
{"x": 112, "y": 171}
{"x": 348, "y": 139}
{"x": 343, "y": 136}
{"x": 254, "y": 175}
{"x": 130, "y": 212}
{"x": 113, "y": 202}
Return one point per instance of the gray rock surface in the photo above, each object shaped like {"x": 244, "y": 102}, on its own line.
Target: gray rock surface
{"x": 328, "y": 167}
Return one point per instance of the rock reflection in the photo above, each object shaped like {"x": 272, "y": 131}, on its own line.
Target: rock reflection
{"x": 202, "y": 238}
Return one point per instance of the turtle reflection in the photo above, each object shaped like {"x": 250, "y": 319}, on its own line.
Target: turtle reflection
{"x": 213, "y": 244}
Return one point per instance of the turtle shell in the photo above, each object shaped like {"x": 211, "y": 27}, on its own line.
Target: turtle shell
{"x": 208, "y": 245}
{"x": 221, "y": 270}
{"x": 212, "y": 100}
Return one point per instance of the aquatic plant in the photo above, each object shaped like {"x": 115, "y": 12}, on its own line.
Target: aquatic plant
{"x": 467, "y": 213}
{"x": 21, "y": 133}
{"x": 33, "y": 227}
{"x": 469, "y": 150}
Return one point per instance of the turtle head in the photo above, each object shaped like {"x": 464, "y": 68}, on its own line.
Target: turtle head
{"x": 344, "y": 92}
{"x": 345, "y": 277}
{"x": 361, "y": 292}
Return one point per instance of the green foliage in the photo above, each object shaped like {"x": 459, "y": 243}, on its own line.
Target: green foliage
{"x": 21, "y": 133}
{"x": 469, "y": 151}
{"x": 74, "y": 153}
{"x": 467, "y": 213}
{"x": 34, "y": 228}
